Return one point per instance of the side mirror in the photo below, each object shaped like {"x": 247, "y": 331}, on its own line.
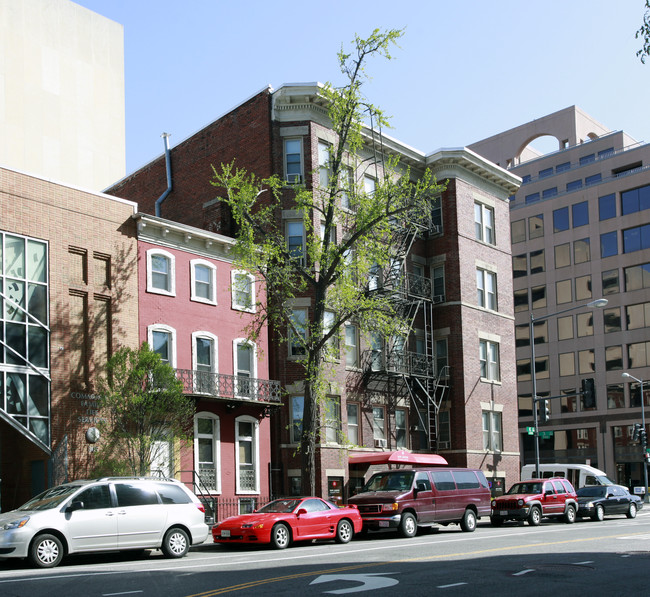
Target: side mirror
{"x": 301, "y": 512}
{"x": 75, "y": 505}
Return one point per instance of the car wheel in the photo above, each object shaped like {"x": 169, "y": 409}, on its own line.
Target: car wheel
{"x": 280, "y": 536}
{"x": 468, "y": 523}
{"x": 46, "y": 551}
{"x": 408, "y": 525}
{"x": 570, "y": 515}
{"x": 344, "y": 531}
{"x": 176, "y": 543}
{"x": 631, "y": 511}
{"x": 535, "y": 516}
{"x": 496, "y": 521}
{"x": 599, "y": 513}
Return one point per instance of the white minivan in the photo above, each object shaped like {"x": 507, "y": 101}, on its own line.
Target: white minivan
{"x": 579, "y": 475}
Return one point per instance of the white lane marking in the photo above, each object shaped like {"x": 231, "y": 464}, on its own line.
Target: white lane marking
{"x": 456, "y": 584}
{"x": 123, "y": 593}
{"x": 582, "y": 563}
{"x": 522, "y": 572}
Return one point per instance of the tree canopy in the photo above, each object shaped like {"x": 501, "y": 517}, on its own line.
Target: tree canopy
{"x": 644, "y": 34}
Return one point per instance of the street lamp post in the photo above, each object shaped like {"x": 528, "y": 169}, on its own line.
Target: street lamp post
{"x": 601, "y": 302}
{"x": 643, "y": 444}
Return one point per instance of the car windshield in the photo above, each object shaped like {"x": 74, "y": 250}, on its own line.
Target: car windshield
{"x": 281, "y": 506}
{"x": 526, "y": 488}
{"x": 592, "y": 492}
{"x": 390, "y": 481}
{"x": 50, "y": 498}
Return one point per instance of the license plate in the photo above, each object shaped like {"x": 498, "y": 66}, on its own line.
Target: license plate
{"x": 225, "y": 533}
{"x": 383, "y": 523}
{"x": 503, "y": 512}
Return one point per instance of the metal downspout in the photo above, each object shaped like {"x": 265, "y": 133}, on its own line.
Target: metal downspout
{"x": 168, "y": 165}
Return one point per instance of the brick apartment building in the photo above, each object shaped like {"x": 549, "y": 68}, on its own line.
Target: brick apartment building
{"x": 459, "y": 399}
{"x": 68, "y": 280}
{"x": 580, "y": 232}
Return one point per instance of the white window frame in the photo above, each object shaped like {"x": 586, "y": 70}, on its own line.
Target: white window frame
{"x": 492, "y": 421}
{"x": 332, "y": 421}
{"x": 369, "y": 184}
{"x": 295, "y": 347}
{"x": 234, "y": 274}
{"x": 324, "y": 171}
{"x": 482, "y": 229}
{"x": 171, "y": 290}
{"x": 347, "y": 187}
{"x": 490, "y": 366}
{"x": 216, "y": 439}
{"x": 255, "y": 451}
{"x": 349, "y": 347}
{"x": 357, "y": 426}
{"x": 212, "y": 269}
{"x": 301, "y": 175}
{"x": 253, "y": 373}
{"x": 398, "y": 445}
{"x": 378, "y": 433}
{"x": 486, "y": 298}
{"x": 303, "y": 251}
{"x": 167, "y": 330}
{"x": 214, "y": 365}
{"x": 292, "y": 429}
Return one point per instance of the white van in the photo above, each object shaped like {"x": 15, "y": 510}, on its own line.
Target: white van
{"x": 578, "y": 475}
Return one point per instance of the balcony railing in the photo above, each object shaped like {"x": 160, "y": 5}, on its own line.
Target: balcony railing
{"x": 229, "y": 387}
{"x": 403, "y": 362}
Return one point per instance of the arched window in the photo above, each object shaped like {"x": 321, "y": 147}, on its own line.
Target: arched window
{"x": 161, "y": 272}
{"x": 162, "y": 339}
{"x": 205, "y": 364}
{"x": 207, "y": 451}
{"x": 204, "y": 281}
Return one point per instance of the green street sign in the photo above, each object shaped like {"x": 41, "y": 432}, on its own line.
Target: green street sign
{"x": 530, "y": 430}
{"x": 545, "y": 434}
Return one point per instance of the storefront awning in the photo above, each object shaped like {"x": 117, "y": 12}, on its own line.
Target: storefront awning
{"x": 396, "y": 457}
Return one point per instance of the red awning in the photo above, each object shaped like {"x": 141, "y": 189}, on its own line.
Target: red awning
{"x": 397, "y": 457}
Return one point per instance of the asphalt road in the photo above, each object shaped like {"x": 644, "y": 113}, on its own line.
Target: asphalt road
{"x": 555, "y": 559}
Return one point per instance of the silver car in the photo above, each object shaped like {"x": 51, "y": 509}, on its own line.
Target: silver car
{"x": 104, "y": 515}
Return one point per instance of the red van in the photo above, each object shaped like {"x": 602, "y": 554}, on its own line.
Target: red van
{"x": 406, "y": 499}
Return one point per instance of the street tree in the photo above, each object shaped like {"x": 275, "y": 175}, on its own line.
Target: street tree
{"x": 644, "y": 33}
{"x": 353, "y": 237}
{"x": 143, "y": 408}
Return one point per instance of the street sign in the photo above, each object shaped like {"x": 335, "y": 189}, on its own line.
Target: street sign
{"x": 545, "y": 434}
{"x": 530, "y": 430}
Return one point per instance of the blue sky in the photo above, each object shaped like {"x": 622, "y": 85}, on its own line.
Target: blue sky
{"x": 465, "y": 69}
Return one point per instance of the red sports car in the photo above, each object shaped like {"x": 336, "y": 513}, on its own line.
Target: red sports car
{"x": 292, "y": 519}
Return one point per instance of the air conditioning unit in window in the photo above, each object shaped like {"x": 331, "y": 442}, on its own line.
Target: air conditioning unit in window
{"x": 380, "y": 443}
{"x": 435, "y": 229}
{"x": 443, "y": 445}
{"x": 294, "y": 178}
{"x": 438, "y": 298}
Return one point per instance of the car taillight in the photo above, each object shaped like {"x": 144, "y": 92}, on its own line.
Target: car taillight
{"x": 200, "y": 507}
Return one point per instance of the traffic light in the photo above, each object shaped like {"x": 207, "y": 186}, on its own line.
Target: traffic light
{"x": 588, "y": 393}
{"x": 545, "y": 410}
{"x": 636, "y": 431}
{"x": 646, "y": 457}
{"x": 642, "y": 438}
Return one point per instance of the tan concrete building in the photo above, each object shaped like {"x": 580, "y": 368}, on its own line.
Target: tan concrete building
{"x": 61, "y": 92}
{"x": 580, "y": 226}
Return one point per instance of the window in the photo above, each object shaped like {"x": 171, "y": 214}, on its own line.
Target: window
{"x": 442, "y": 360}
{"x": 583, "y": 287}
{"x": 369, "y": 185}
{"x": 293, "y": 160}
{"x": 436, "y": 215}
{"x": 519, "y": 266}
{"x": 207, "y": 448}
{"x": 593, "y": 179}
{"x": 347, "y": 190}
{"x": 489, "y": 359}
{"x": 636, "y": 239}
{"x": 615, "y": 396}
{"x": 204, "y": 282}
{"x": 329, "y": 317}
{"x": 638, "y": 354}
{"x": 518, "y": 231}
{"x": 297, "y": 413}
{"x": 247, "y": 454}
{"x": 379, "y": 423}
{"x": 574, "y": 185}
{"x": 612, "y": 320}
{"x": 538, "y": 296}
{"x": 610, "y": 282}
{"x": 444, "y": 428}
{"x": 351, "y": 346}
{"x": 563, "y": 292}
{"x": 562, "y": 255}
{"x": 400, "y": 429}
{"x": 565, "y": 328}
{"x": 567, "y": 364}
{"x": 353, "y": 424}
{"x": 526, "y": 178}
{"x": 484, "y": 223}
{"x": 323, "y": 164}
{"x": 637, "y": 316}
{"x": 332, "y": 419}
{"x": 532, "y": 198}
{"x": 585, "y": 324}
{"x": 587, "y": 159}
{"x": 204, "y": 357}
{"x": 296, "y": 240}
{"x": 492, "y": 436}
{"x": 586, "y": 362}
{"x": 486, "y": 284}
{"x": 561, "y": 219}
{"x": 246, "y": 363}
{"x": 546, "y": 172}
{"x": 563, "y": 167}
{"x": 243, "y": 291}
{"x": 607, "y": 207}
{"x": 160, "y": 272}
{"x": 162, "y": 340}
{"x": 540, "y": 332}
{"x": 637, "y": 277}
{"x": 438, "y": 278}
{"x": 580, "y": 214}
{"x": 581, "y": 251}
{"x": 548, "y": 193}
{"x": 536, "y": 226}
{"x": 522, "y": 335}
{"x": 613, "y": 358}
{"x": 608, "y": 244}
{"x": 537, "y": 262}
{"x": 521, "y": 300}
{"x": 635, "y": 200}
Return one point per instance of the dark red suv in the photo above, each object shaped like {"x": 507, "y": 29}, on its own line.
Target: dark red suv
{"x": 536, "y": 499}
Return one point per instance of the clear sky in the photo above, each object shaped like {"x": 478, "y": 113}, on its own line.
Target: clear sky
{"x": 465, "y": 69}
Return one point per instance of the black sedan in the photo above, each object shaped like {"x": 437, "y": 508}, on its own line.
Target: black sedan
{"x": 599, "y": 500}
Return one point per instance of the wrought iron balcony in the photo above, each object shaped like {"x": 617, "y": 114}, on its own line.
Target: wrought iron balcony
{"x": 220, "y": 386}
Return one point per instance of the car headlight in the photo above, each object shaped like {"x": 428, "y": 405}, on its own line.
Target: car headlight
{"x": 16, "y": 524}
{"x": 589, "y": 504}
{"x": 390, "y": 507}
